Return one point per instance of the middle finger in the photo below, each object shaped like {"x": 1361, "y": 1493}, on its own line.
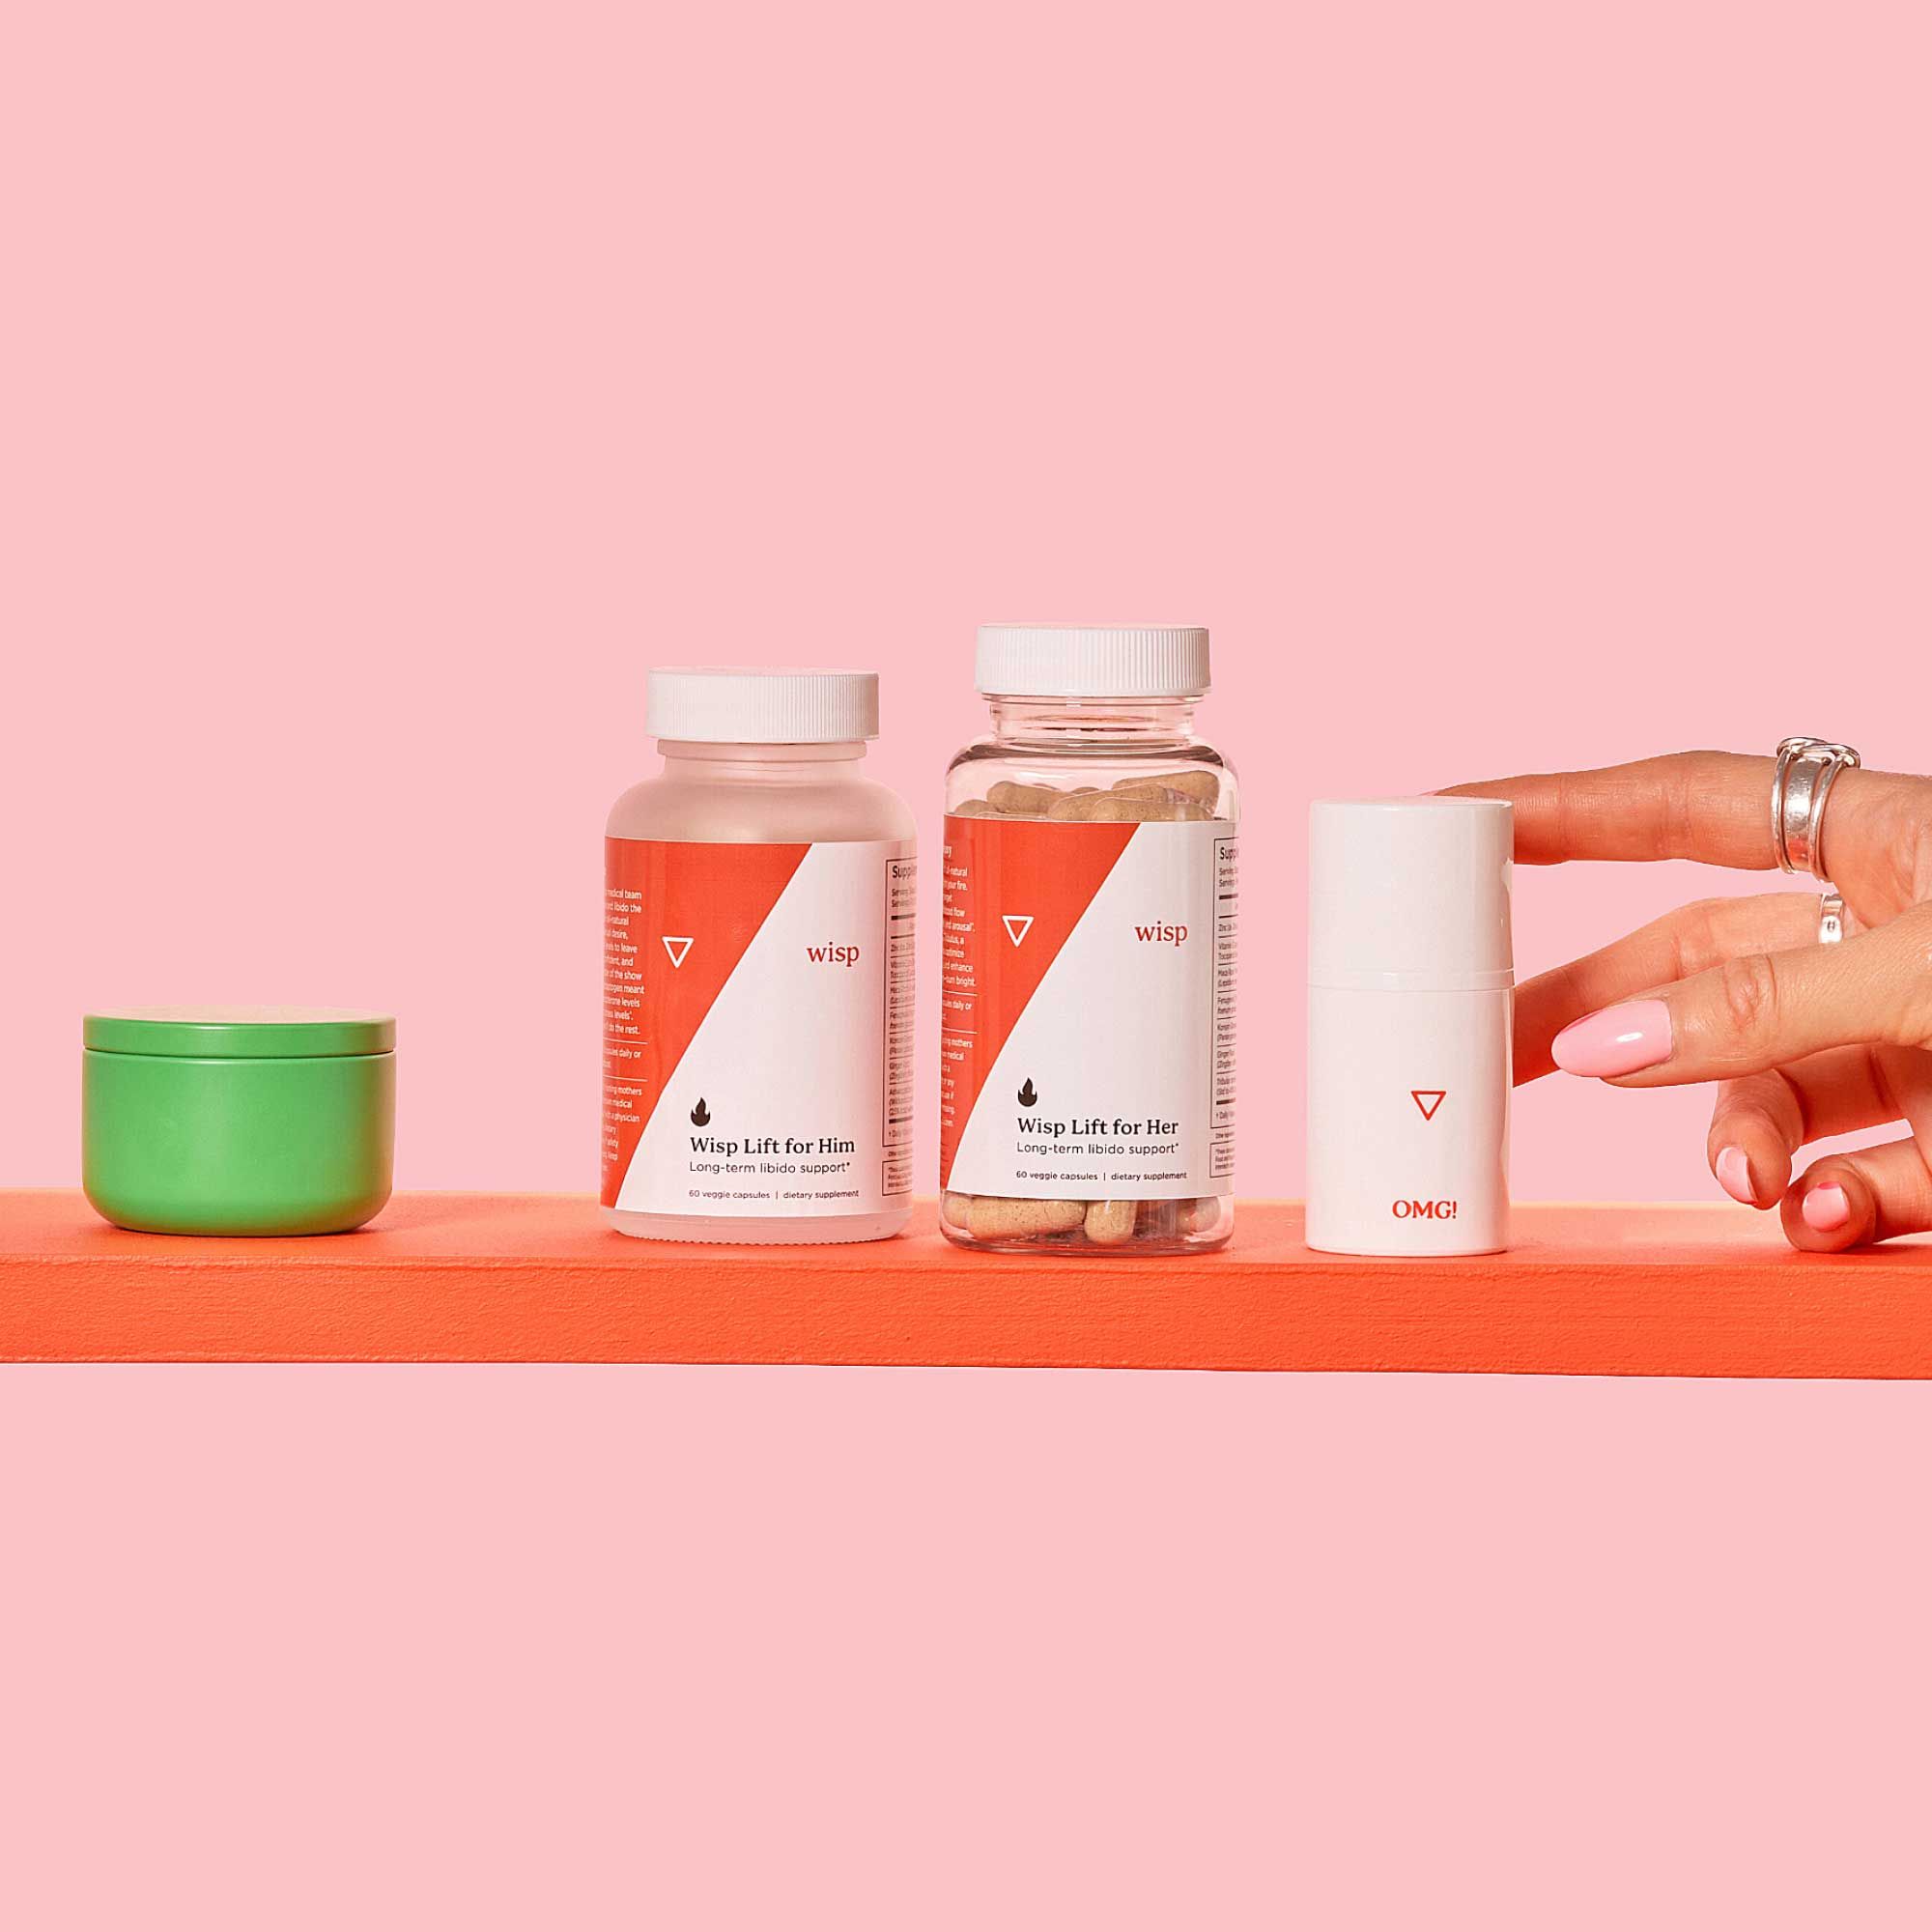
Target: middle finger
{"x": 1690, "y": 940}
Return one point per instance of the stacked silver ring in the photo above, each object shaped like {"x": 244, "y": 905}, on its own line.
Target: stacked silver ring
{"x": 1801, "y": 784}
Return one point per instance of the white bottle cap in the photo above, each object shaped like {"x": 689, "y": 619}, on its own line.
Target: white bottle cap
{"x": 762, "y": 707}
{"x": 1092, "y": 661}
{"x": 1409, "y": 892}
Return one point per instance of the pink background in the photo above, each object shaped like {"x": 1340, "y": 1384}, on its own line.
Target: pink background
{"x": 880, "y": 1650}
{"x": 386, "y": 386}
{"x": 1506, "y": 386}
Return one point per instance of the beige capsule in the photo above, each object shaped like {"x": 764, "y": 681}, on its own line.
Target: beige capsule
{"x": 1198, "y": 1216}
{"x": 973, "y": 807}
{"x": 1110, "y": 1222}
{"x": 1158, "y": 1220}
{"x": 1014, "y": 800}
{"x": 993, "y": 1217}
{"x": 1168, "y": 1220}
{"x": 954, "y": 1210}
{"x": 1204, "y": 788}
{"x": 1126, "y": 808}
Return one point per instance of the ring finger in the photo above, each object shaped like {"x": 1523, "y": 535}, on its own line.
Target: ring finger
{"x": 1762, "y": 1120}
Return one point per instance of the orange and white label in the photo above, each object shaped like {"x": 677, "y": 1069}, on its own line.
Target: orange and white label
{"x": 1087, "y": 1029}
{"x": 757, "y": 1027}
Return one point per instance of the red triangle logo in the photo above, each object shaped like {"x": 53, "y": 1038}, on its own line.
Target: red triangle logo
{"x": 653, "y": 1007}
{"x": 1428, "y": 1099}
{"x": 991, "y": 864}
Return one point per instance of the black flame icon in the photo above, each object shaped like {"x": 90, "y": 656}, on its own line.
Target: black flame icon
{"x": 701, "y": 1115}
{"x": 1028, "y": 1098}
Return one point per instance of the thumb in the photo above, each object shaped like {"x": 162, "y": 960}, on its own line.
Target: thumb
{"x": 1764, "y": 1010}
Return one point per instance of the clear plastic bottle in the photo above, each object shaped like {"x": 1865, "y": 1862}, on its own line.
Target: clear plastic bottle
{"x": 759, "y": 895}
{"x": 1089, "y": 899}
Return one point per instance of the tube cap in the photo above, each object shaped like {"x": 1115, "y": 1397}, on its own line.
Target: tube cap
{"x": 762, "y": 707}
{"x": 1092, "y": 661}
{"x": 1409, "y": 892}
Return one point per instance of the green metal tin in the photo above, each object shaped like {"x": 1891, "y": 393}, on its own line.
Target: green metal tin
{"x": 237, "y": 1121}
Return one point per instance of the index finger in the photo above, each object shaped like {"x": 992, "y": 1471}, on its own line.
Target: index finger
{"x": 1709, "y": 805}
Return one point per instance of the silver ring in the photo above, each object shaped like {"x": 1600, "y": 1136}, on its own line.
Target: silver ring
{"x": 1830, "y": 920}
{"x": 1801, "y": 784}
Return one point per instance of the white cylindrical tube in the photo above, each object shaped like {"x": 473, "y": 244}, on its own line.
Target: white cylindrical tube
{"x": 1409, "y": 990}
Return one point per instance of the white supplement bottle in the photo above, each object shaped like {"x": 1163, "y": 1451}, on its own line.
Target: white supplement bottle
{"x": 1409, "y": 997}
{"x": 758, "y": 899}
{"x": 1087, "y": 1028}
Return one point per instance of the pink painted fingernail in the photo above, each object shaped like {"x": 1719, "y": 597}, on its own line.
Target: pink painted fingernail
{"x": 1618, "y": 1041}
{"x": 1826, "y": 1210}
{"x": 1733, "y": 1171}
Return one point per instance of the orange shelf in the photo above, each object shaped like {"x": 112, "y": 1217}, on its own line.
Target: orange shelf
{"x": 1660, "y": 1290}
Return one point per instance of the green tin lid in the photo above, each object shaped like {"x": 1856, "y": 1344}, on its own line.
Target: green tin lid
{"x": 239, "y": 1032}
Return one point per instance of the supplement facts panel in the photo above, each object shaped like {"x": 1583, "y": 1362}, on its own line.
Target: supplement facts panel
{"x": 901, "y": 904}
{"x": 624, "y": 1030}
{"x": 1226, "y": 961}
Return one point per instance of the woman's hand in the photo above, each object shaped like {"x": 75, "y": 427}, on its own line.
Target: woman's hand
{"x": 1805, "y": 1041}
